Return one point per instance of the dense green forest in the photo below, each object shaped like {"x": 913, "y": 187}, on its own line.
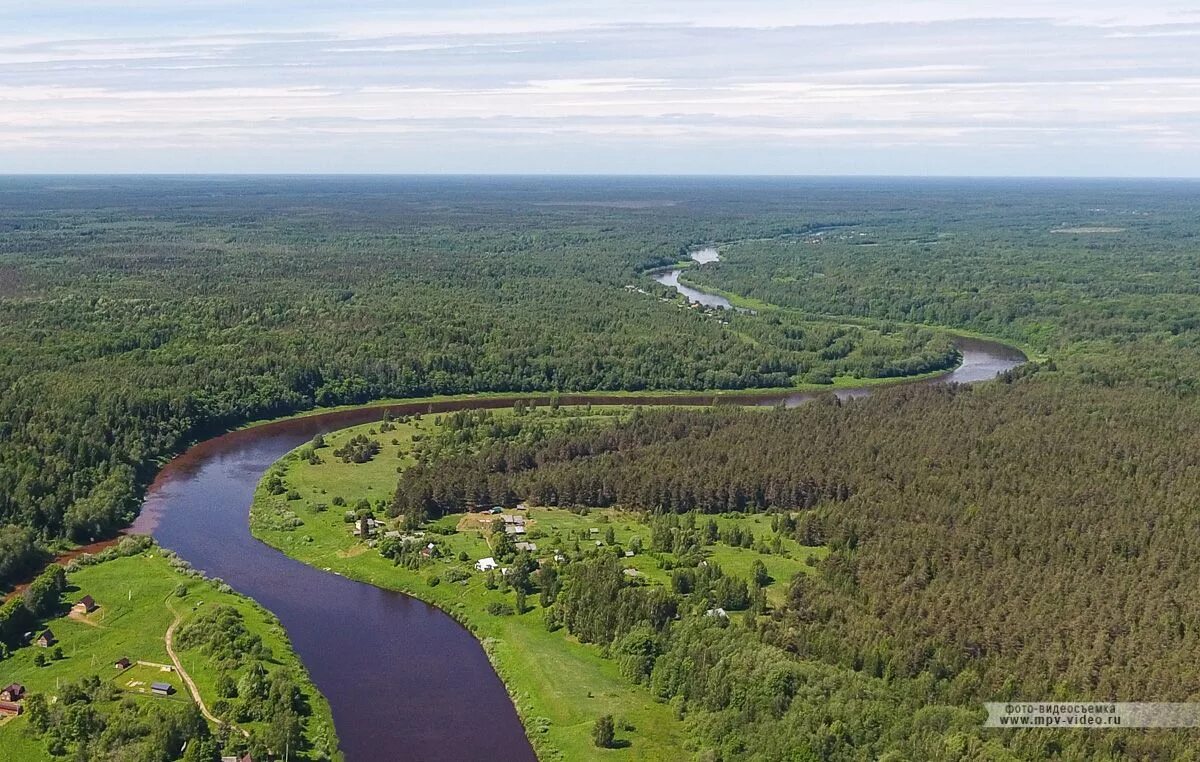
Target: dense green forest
{"x": 986, "y": 543}
{"x": 137, "y": 314}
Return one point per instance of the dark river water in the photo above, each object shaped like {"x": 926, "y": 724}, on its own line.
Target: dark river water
{"x": 404, "y": 679}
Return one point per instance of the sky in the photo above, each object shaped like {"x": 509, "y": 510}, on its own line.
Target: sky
{"x": 853, "y": 87}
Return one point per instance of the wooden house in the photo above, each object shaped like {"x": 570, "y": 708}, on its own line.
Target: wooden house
{"x": 14, "y": 692}
{"x": 86, "y": 605}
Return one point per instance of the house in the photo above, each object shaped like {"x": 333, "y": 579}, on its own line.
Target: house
{"x": 632, "y": 573}
{"x": 529, "y": 546}
{"x": 86, "y": 605}
{"x": 245, "y": 758}
{"x": 485, "y": 564}
{"x": 46, "y": 639}
{"x": 717, "y": 612}
{"x": 10, "y": 708}
{"x": 521, "y": 507}
{"x": 122, "y": 663}
{"x": 427, "y": 551}
{"x": 14, "y": 692}
{"x": 629, "y": 554}
{"x": 514, "y": 529}
{"x": 162, "y": 689}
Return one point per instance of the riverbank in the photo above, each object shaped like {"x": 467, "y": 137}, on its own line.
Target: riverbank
{"x": 558, "y": 685}
{"x": 139, "y": 597}
{"x": 731, "y": 300}
{"x": 384, "y": 690}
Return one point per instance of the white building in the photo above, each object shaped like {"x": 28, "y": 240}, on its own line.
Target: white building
{"x": 486, "y": 564}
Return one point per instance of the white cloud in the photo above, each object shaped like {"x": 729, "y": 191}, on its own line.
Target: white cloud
{"x": 921, "y": 78}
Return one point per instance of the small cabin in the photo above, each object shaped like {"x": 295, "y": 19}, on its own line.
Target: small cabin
{"x": 162, "y": 689}
{"x": 485, "y": 564}
{"x": 531, "y": 547}
{"x": 10, "y": 708}
{"x": 46, "y": 639}
{"x": 86, "y": 605}
{"x": 14, "y": 692}
{"x": 122, "y": 663}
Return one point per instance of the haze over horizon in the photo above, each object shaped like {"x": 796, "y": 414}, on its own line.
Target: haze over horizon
{"x": 868, "y": 88}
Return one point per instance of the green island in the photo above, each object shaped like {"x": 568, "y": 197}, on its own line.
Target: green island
{"x": 118, "y": 645}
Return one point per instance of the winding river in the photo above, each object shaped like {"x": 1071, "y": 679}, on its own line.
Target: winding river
{"x": 404, "y": 679}
{"x": 695, "y": 295}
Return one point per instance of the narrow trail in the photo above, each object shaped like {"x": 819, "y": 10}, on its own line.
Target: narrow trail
{"x": 169, "y": 639}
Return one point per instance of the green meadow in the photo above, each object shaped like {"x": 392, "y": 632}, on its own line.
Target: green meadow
{"x": 139, "y": 597}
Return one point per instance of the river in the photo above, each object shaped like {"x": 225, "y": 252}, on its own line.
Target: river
{"x": 403, "y": 678}
{"x": 695, "y": 296}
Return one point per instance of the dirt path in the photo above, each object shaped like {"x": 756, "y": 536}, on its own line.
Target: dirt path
{"x": 187, "y": 679}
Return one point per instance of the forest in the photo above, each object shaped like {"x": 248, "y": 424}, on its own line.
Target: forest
{"x": 1028, "y": 538}
{"x": 139, "y": 314}
{"x": 976, "y": 552}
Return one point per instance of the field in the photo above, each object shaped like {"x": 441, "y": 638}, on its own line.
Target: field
{"x": 139, "y": 597}
{"x": 559, "y": 685}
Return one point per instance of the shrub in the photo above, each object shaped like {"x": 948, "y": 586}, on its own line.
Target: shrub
{"x": 603, "y": 732}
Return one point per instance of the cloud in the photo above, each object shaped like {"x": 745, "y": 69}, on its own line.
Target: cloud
{"x": 922, "y": 79}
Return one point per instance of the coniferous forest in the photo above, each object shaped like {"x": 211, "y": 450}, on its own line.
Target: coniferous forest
{"x": 1030, "y": 538}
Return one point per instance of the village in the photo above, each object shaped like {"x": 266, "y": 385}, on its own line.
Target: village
{"x": 111, "y": 639}
{"x": 138, "y": 673}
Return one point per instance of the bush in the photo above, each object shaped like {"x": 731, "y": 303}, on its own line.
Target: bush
{"x": 603, "y": 732}
{"x": 499, "y": 608}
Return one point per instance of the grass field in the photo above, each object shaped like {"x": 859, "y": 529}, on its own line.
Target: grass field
{"x": 559, "y": 685}
{"x": 138, "y": 598}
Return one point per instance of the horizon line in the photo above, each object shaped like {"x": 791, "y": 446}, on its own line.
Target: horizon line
{"x": 598, "y": 175}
